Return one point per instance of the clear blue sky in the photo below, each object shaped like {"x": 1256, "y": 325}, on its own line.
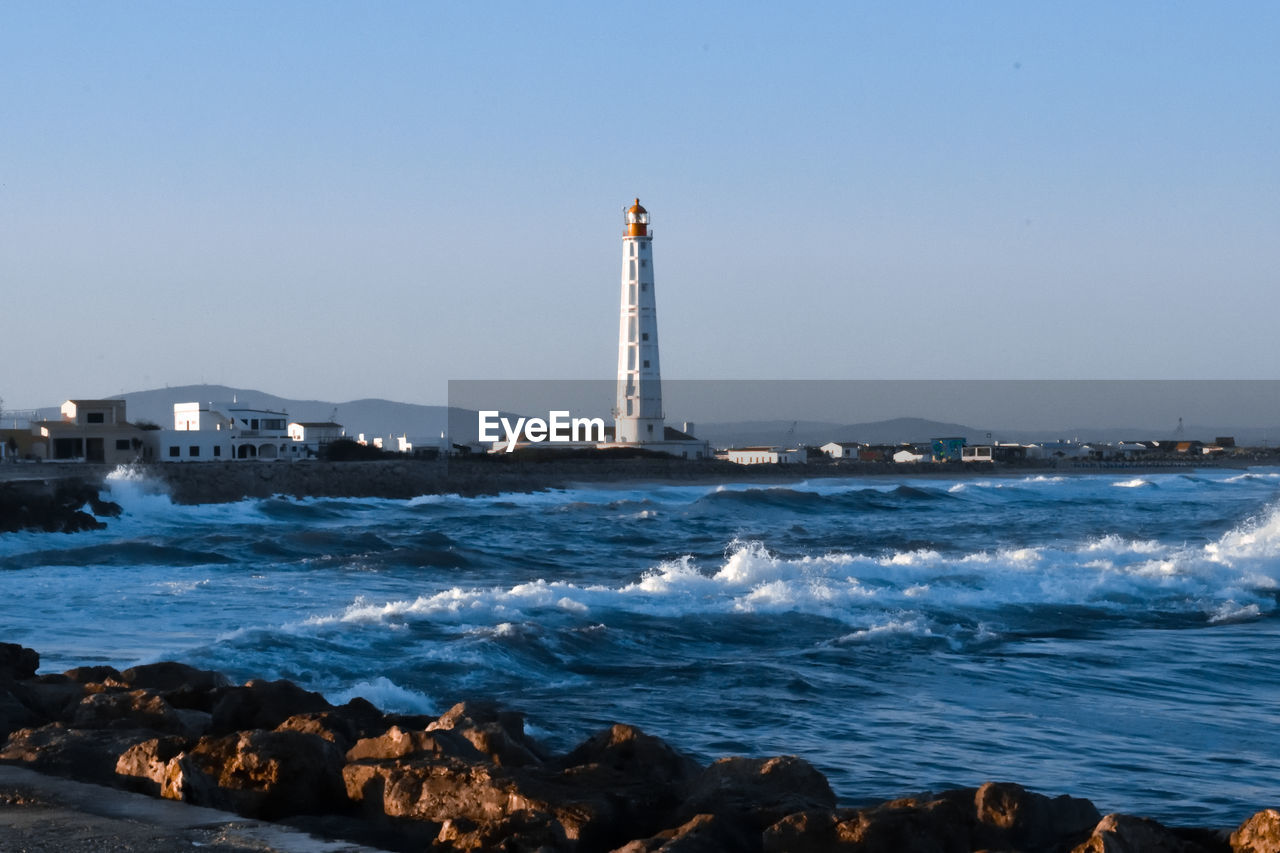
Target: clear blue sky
{"x": 340, "y": 200}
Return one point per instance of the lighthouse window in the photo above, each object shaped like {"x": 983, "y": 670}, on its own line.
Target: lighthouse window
{"x": 644, "y": 285}
{"x": 644, "y": 336}
{"x": 644, "y": 262}
{"x": 646, "y": 362}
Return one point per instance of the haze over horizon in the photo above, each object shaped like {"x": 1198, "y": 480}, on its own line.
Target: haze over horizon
{"x": 340, "y": 201}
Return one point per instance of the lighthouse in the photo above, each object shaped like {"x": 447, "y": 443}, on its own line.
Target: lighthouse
{"x": 638, "y": 416}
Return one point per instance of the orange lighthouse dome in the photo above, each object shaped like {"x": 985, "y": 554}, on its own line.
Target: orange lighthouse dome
{"x": 637, "y": 220}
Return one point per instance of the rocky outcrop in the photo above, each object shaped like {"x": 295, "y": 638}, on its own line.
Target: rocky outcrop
{"x": 472, "y": 779}
{"x": 1258, "y": 834}
{"x": 55, "y": 505}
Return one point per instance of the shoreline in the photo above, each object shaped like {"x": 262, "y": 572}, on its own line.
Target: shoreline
{"x": 473, "y": 779}
{"x": 53, "y": 496}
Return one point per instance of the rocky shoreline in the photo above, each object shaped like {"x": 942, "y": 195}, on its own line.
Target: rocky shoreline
{"x": 472, "y": 779}
{"x": 54, "y": 506}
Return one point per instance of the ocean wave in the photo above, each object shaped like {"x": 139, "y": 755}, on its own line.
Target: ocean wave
{"x": 387, "y": 696}
{"x": 1135, "y": 483}
{"x": 1230, "y": 579}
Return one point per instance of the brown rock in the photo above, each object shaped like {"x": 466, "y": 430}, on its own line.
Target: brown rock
{"x": 935, "y": 826}
{"x": 1258, "y": 834}
{"x": 498, "y": 734}
{"x": 479, "y": 804}
{"x": 263, "y": 705}
{"x": 133, "y": 709}
{"x": 434, "y": 790}
{"x": 367, "y": 721}
{"x": 259, "y": 774}
{"x": 702, "y": 833}
{"x": 521, "y": 831}
{"x": 87, "y": 755}
{"x": 168, "y": 675}
{"x": 636, "y": 779}
{"x": 808, "y": 832}
{"x": 143, "y": 765}
{"x": 326, "y": 724}
{"x": 96, "y": 675}
{"x": 1118, "y": 833}
{"x": 758, "y": 791}
{"x": 628, "y": 750}
{"x": 396, "y": 743}
{"x": 1009, "y": 815}
{"x": 18, "y": 662}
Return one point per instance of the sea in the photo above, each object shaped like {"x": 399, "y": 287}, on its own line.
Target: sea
{"x": 1114, "y": 636}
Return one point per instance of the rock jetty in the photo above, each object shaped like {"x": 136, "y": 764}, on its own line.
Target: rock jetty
{"x": 472, "y": 779}
{"x": 58, "y": 505}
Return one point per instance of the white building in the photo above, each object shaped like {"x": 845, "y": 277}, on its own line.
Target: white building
{"x": 908, "y": 456}
{"x": 90, "y": 431}
{"x": 767, "y": 455}
{"x": 309, "y": 437}
{"x": 391, "y": 444}
{"x": 209, "y": 432}
{"x": 841, "y": 449}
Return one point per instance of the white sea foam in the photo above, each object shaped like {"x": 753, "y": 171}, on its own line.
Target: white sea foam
{"x": 1225, "y": 580}
{"x": 1135, "y": 483}
{"x": 387, "y": 696}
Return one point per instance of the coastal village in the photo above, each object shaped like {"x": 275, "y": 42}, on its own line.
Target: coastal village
{"x": 99, "y": 430}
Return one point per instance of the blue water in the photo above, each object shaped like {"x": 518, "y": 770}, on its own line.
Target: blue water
{"x": 1112, "y": 637}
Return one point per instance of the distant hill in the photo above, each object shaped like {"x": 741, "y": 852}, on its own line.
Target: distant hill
{"x": 376, "y": 417}
{"x": 816, "y": 433}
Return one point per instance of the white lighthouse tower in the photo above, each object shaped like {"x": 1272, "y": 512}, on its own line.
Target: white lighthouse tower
{"x": 638, "y": 416}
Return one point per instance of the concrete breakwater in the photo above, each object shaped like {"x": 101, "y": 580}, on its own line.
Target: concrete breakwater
{"x": 473, "y": 779}
{"x": 406, "y": 478}
{"x": 66, "y": 497}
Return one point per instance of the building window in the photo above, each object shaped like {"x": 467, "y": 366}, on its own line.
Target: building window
{"x": 646, "y": 362}
{"x": 122, "y": 444}
{"x": 644, "y": 336}
{"x": 174, "y": 451}
{"x": 217, "y": 450}
{"x": 650, "y": 427}
{"x": 193, "y": 450}
{"x": 644, "y": 285}
{"x": 644, "y": 262}
{"x": 94, "y": 418}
